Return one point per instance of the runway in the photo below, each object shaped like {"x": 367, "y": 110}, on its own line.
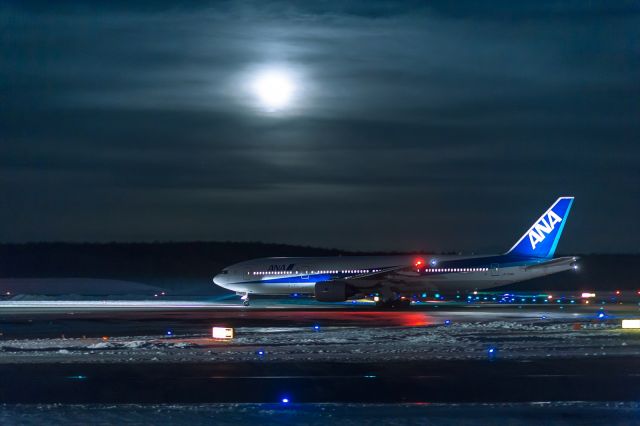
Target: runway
{"x": 18, "y": 307}
{"x": 53, "y": 318}
{"x": 95, "y": 352}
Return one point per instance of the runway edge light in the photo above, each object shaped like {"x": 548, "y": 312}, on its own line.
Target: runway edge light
{"x": 222, "y": 333}
{"x": 631, "y": 323}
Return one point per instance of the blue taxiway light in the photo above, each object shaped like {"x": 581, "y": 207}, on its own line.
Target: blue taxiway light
{"x": 285, "y": 400}
{"x": 601, "y": 315}
{"x": 169, "y": 333}
{"x": 316, "y": 327}
{"x": 260, "y": 352}
{"x": 447, "y": 322}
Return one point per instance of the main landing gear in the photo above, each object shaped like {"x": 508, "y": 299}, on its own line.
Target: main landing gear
{"x": 245, "y": 299}
{"x": 390, "y": 299}
{"x": 394, "y": 303}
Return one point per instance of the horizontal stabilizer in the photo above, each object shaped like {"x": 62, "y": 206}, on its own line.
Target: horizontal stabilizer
{"x": 555, "y": 262}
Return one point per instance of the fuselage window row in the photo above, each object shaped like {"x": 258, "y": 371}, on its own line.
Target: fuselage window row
{"x": 366, "y": 271}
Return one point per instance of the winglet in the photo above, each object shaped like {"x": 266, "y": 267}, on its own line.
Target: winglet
{"x": 542, "y": 238}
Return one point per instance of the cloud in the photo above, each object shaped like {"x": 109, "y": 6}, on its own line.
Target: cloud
{"x": 415, "y": 126}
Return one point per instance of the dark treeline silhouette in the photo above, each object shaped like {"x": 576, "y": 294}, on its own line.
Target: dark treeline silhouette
{"x": 174, "y": 265}
{"x": 167, "y": 264}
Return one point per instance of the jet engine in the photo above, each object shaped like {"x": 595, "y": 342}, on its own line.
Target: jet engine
{"x": 333, "y": 291}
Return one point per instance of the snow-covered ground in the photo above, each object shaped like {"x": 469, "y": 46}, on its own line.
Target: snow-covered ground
{"x": 556, "y": 413}
{"x": 536, "y": 338}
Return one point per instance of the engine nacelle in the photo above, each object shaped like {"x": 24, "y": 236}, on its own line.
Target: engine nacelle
{"x": 333, "y": 291}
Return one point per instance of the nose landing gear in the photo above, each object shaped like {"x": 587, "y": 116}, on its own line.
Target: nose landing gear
{"x": 245, "y": 299}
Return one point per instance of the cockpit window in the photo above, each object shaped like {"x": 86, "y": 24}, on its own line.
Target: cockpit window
{"x": 224, "y": 272}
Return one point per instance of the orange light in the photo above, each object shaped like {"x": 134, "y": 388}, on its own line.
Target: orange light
{"x": 618, "y": 292}
{"x": 549, "y": 297}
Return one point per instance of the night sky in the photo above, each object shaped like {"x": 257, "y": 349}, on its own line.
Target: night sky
{"x": 444, "y": 127}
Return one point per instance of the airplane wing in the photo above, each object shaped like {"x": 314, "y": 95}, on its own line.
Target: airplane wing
{"x": 390, "y": 274}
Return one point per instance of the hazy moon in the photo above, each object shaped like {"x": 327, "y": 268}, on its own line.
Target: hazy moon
{"x": 274, "y": 89}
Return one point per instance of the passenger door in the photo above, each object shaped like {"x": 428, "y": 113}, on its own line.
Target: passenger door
{"x": 247, "y": 275}
{"x": 495, "y": 269}
{"x": 305, "y": 270}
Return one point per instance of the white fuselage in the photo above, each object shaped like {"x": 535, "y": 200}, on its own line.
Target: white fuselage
{"x": 288, "y": 275}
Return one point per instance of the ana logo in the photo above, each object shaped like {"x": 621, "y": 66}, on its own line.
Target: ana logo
{"x": 281, "y": 267}
{"x": 543, "y": 227}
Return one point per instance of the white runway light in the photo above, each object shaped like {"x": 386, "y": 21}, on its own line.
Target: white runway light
{"x": 222, "y": 333}
{"x": 630, "y": 323}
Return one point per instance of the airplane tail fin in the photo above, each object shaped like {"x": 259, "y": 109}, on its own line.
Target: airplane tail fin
{"x": 542, "y": 238}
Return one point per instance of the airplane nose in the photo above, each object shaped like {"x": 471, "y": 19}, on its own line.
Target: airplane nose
{"x": 218, "y": 280}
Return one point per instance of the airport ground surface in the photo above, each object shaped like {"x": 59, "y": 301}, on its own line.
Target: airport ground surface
{"x": 548, "y": 413}
{"x": 299, "y": 361}
{"x": 161, "y": 352}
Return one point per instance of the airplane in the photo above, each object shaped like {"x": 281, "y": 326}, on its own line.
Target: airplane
{"x": 395, "y": 279}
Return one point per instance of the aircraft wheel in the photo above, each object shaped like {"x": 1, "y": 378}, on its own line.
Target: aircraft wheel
{"x": 391, "y": 304}
{"x": 245, "y": 303}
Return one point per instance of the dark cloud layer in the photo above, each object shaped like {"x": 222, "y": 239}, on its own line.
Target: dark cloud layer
{"x": 445, "y": 126}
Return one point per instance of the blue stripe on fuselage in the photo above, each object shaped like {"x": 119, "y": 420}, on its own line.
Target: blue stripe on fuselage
{"x": 297, "y": 279}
